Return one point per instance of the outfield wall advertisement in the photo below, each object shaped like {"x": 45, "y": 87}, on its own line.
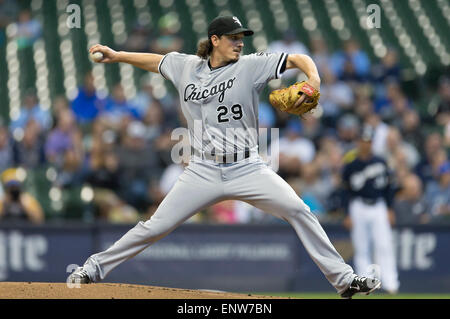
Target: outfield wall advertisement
{"x": 226, "y": 258}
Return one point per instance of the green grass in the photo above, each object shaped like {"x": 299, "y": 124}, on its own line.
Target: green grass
{"x": 324, "y": 295}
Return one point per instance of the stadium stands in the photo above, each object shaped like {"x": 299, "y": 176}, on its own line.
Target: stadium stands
{"x": 55, "y": 62}
{"x": 422, "y": 41}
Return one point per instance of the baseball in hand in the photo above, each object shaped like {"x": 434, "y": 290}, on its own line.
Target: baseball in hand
{"x": 96, "y": 56}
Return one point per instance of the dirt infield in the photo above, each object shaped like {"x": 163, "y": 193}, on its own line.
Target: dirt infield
{"x": 40, "y": 290}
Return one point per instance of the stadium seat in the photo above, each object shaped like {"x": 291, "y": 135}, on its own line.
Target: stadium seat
{"x": 39, "y": 186}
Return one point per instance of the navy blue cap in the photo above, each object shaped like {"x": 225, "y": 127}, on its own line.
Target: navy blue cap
{"x": 12, "y": 183}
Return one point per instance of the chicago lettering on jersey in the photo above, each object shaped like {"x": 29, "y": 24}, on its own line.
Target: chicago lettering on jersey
{"x": 192, "y": 92}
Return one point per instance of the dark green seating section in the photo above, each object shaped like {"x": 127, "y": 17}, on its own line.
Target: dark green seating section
{"x": 53, "y": 53}
{"x": 39, "y": 186}
{"x": 181, "y": 7}
{"x": 4, "y": 98}
{"x": 69, "y": 205}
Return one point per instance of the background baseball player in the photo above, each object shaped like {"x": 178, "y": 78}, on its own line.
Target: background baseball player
{"x": 369, "y": 196}
{"x": 219, "y": 92}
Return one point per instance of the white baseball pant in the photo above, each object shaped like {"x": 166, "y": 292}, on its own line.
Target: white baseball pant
{"x": 371, "y": 228}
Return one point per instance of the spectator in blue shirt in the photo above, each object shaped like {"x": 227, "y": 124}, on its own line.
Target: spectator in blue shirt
{"x": 29, "y": 152}
{"x": 438, "y": 195}
{"x": 117, "y": 108}
{"x": 66, "y": 136}
{"x": 28, "y": 29}
{"x": 31, "y": 109}
{"x": 87, "y": 104}
{"x": 388, "y": 68}
{"x": 351, "y": 63}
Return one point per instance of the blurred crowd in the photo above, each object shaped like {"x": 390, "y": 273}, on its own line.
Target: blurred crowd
{"x": 109, "y": 159}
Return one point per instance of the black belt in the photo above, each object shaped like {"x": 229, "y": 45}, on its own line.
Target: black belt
{"x": 223, "y": 158}
{"x": 369, "y": 201}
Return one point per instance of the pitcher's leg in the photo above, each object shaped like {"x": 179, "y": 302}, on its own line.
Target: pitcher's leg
{"x": 270, "y": 193}
{"x": 187, "y": 197}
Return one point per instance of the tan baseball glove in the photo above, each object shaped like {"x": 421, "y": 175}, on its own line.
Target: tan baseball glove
{"x": 286, "y": 99}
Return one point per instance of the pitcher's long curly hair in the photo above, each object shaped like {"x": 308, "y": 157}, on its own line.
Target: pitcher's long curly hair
{"x": 204, "y": 48}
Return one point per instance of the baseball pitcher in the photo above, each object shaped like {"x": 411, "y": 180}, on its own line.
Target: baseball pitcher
{"x": 219, "y": 93}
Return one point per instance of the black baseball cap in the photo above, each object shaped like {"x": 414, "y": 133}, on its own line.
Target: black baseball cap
{"x": 227, "y": 25}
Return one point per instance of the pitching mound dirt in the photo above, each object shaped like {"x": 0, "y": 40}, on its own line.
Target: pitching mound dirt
{"x": 40, "y": 290}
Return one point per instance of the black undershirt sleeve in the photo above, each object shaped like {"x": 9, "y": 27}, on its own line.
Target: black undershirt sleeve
{"x": 283, "y": 66}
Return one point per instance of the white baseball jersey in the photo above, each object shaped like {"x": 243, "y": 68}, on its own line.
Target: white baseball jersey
{"x": 221, "y": 101}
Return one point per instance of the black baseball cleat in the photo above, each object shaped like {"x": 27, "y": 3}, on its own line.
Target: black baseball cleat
{"x": 361, "y": 285}
{"x": 79, "y": 276}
